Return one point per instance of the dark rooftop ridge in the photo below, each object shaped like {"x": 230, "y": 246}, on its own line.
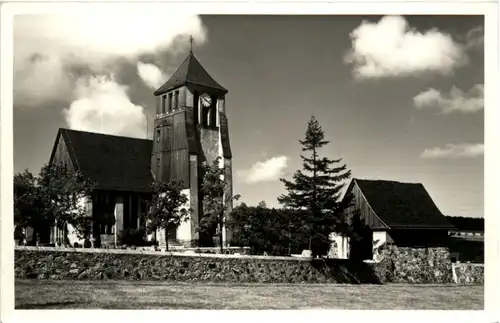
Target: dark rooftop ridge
{"x": 190, "y": 72}
{"x": 102, "y": 134}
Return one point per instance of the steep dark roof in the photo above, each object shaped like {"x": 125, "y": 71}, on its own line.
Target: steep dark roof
{"x": 402, "y": 205}
{"x": 466, "y": 224}
{"x": 190, "y": 72}
{"x": 113, "y": 162}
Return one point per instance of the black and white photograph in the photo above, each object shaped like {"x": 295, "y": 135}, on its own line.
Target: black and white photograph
{"x": 166, "y": 159}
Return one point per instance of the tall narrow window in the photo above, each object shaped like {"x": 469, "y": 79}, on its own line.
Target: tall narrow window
{"x": 205, "y": 117}
{"x": 217, "y": 117}
{"x": 213, "y": 113}
{"x": 158, "y": 163}
{"x": 176, "y": 100}
{"x": 158, "y": 134}
{"x": 168, "y": 138}
{"x": 200, "y": 113}
{"x": 196, "y": 103}
{"x": 170, "y": 102}
{"x": 163, "y": 98}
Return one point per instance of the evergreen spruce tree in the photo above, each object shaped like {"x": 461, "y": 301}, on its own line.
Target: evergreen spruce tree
{"x": 316, "y": 190}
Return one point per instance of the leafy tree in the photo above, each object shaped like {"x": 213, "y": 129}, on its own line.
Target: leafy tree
{"x": 134, "y": 237}
{"x": 167, "y": 209}
{"x": 216, "y": 201}
{"x": 267, "y": 230}
{"x": 25, "y": 195}
{"x": 252, "y": 227}
{"x": 316, "y": 189}
{"x": 51, "y": 198}
{"x": 262, "y": 204}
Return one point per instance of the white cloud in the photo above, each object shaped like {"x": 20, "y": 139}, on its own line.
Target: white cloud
{"x": 392, "y": 48}
{"x": 102, "y": 105}
{"x": 151, "y": 75}
{"x": 265, "y": 171}
{"x": 455, "y": 101}
{"x": 48, "y": 47}
{"x": 92, "y": 39}
{"x": 40, "y": 78}
{"x": 454, "y": 151}
{"x": 474, "y": 39}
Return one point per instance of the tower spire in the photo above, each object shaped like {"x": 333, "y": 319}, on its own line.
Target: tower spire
{"x": 191, "y": 43}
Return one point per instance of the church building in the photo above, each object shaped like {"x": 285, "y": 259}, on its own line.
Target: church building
{"x": 190, "y": 127}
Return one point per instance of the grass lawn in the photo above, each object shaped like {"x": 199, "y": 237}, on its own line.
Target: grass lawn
{"x": 47, "y": 294}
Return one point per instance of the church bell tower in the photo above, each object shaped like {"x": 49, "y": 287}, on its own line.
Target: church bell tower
{"x": 191, "y": 127}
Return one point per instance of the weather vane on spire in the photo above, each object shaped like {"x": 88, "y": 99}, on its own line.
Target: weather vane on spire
{"x": 191, "y": 42}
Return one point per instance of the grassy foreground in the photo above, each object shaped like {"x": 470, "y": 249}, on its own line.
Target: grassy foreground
{"x": 47, "y": 294}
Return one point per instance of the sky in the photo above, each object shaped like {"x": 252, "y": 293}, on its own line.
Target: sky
{"x": 399, "y": 98}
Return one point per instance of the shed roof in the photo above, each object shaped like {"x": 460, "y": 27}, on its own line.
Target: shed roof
{"x": 402, "y": 205}
{"x": 467, "y": 223}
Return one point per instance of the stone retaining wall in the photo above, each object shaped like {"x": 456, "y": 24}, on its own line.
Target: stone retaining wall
{"x": 464, "y": 273}
{"x": 415, "y": 265}
{"x": 71, "y": 264}
{"x": 400, "y": 265}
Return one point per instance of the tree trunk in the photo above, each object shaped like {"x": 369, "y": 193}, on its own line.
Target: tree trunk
{"x": 314, "y": 206}
{"x": 166, "y": 238}
{"x": 220, "y": 238}
{"x": 289, "y": 238}
{"x": 34, "y": 236}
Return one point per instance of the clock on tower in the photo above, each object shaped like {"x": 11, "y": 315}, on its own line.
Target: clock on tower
{"x": 206, "y": 100}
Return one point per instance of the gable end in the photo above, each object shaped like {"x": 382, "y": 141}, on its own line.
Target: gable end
{"x": 61, "y": 153}
{"x": 362, "y": 208}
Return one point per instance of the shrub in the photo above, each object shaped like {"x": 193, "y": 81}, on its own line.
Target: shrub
{"x": 133, "y": 237}
{"x": 151, "y": 243}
